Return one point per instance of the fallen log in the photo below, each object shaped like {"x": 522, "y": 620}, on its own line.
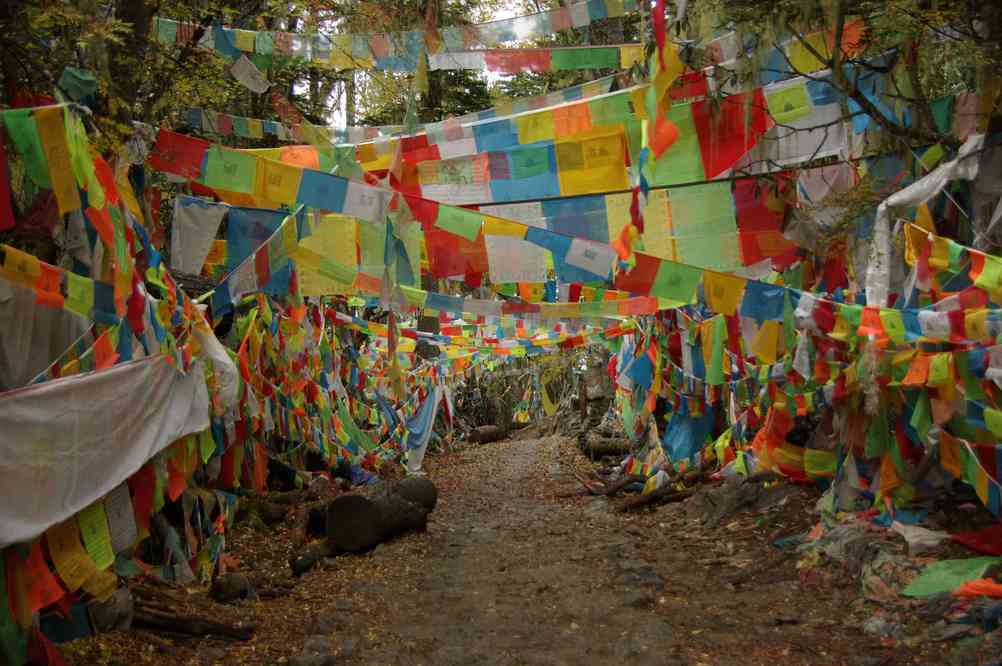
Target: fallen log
{"x": 663, "y": 495}
{"x": 417, "y": 489}
{"x": 613, "y": 489}
{"x": 486, "y": 434}
{"x": 190, "y": 625}
{"x": 356, "y": 524}
{"x": 594, "y": 446}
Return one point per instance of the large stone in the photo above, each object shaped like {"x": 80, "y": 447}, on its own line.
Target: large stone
{"x": 114, "y": 613}
{"x": 317, "y": 651}
{"x": 230, "y": 587}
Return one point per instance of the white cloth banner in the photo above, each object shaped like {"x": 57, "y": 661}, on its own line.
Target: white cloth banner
{"x": 32, "y": 336}
{"x": 247, "y": 73}
{"x": 196, "y": 223}
{"x": 457, "y": 60}
{"x": 593, "y": 257}
{"x": 67, "y": 443}
{"x": 514, "y": 260}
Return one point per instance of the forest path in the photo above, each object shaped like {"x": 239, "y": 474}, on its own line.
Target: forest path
{"x": 514, "y": 569}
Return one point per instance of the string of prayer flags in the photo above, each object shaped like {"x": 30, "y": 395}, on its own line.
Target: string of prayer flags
{"x": 396, "y": 51}
{"x": 513, "y": 61}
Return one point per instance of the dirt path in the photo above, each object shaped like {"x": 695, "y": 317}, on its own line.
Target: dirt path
{"x": 511, "y": 573}
{"x": 514, "y": 570}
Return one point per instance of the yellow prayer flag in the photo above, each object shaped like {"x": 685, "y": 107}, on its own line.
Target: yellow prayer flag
{"x": 52, "y": 132}
{"x": 494, "y": 226}
{"x": 923, "y": 218}
{"x": 592, "y": 162}
{"x": 332, "y": 243}
{"x": 244, "y": 40}
{"x": 766, "y": 341}
{"x": 801, "y": 57}
{"x": 535, "y": 127}
{"x": 976, "y": 324}
{"x": 72, "y": 563}
{"x": 630, "y": 56}
{"x": 723, "y": 292}
{"x": 277, "y": 182}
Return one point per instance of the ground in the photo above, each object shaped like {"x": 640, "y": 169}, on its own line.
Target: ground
{"x": 517, "y": 567}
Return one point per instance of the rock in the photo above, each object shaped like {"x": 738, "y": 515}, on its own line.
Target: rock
{"x": 308, "y": 558}
{"x": 324, "y": 624}
{"x": 213, "y": 655}
{"x": 348, "y": 647}
{"x": 113, "y": 614}
{"x": 232, "y": 586}
{"x": 641, "y": 600}
{"x": 882, "y": 627}
{"x": 317, "y": 651}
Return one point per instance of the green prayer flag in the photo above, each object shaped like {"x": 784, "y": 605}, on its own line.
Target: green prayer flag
{"x": 93, "y": 525}
{"x": 939, "y": 369}
{"x": 948, "y": 575}
{"x": 13, "y": 641}
{"x": 993, "y": 419}
{"x": 23, "y": 131}
{"x": 789, "y": 103}
{"x": 460, "y": 221}
{"x": 877, "y": 436}
{"x": 530, "y": 161}
{"x": 676, "y": 282}
{"x": 991, "y": 275}
{"x": 585, "y": 58}
{"x": 894, "y": 325}
{"x": 789, "y": 325}
{"x": 921, "y": 419}
{"x": 683, "y": 161}
{"x": 166, "y": 31}
{"x": 79, "y": 294}
{"x": 229, "y": 170}
{"x": 611, "y": 109}
{"x": 206, "y": 445}
{"x": 715, "y": 373}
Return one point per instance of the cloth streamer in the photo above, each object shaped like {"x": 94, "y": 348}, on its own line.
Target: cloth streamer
{"x": 419, "y": 429}
{"x": 69, "y": 442}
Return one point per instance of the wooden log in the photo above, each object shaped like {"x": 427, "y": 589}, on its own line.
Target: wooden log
{"x": 594, "y": 446}
{"x": 417, "y": 489}
{"x": 663, "y": 495}
{"x": 486, "y": 434}
{"x": 356, "y": 524}
{"x": 191, "y": 625}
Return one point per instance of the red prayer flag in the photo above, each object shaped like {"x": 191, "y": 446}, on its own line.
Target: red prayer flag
{"x": 724, "y": 134}
{"x": 143, "y": 484}
{"x": 641, "y": 278}
{"x": 178, "y": 154}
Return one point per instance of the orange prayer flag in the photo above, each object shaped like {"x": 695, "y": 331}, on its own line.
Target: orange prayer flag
{"x": 104, "y": 353}
{"x": 47, "y": 287}
{"x": 40, "y": 587}
{"x": 918, "y": 371}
